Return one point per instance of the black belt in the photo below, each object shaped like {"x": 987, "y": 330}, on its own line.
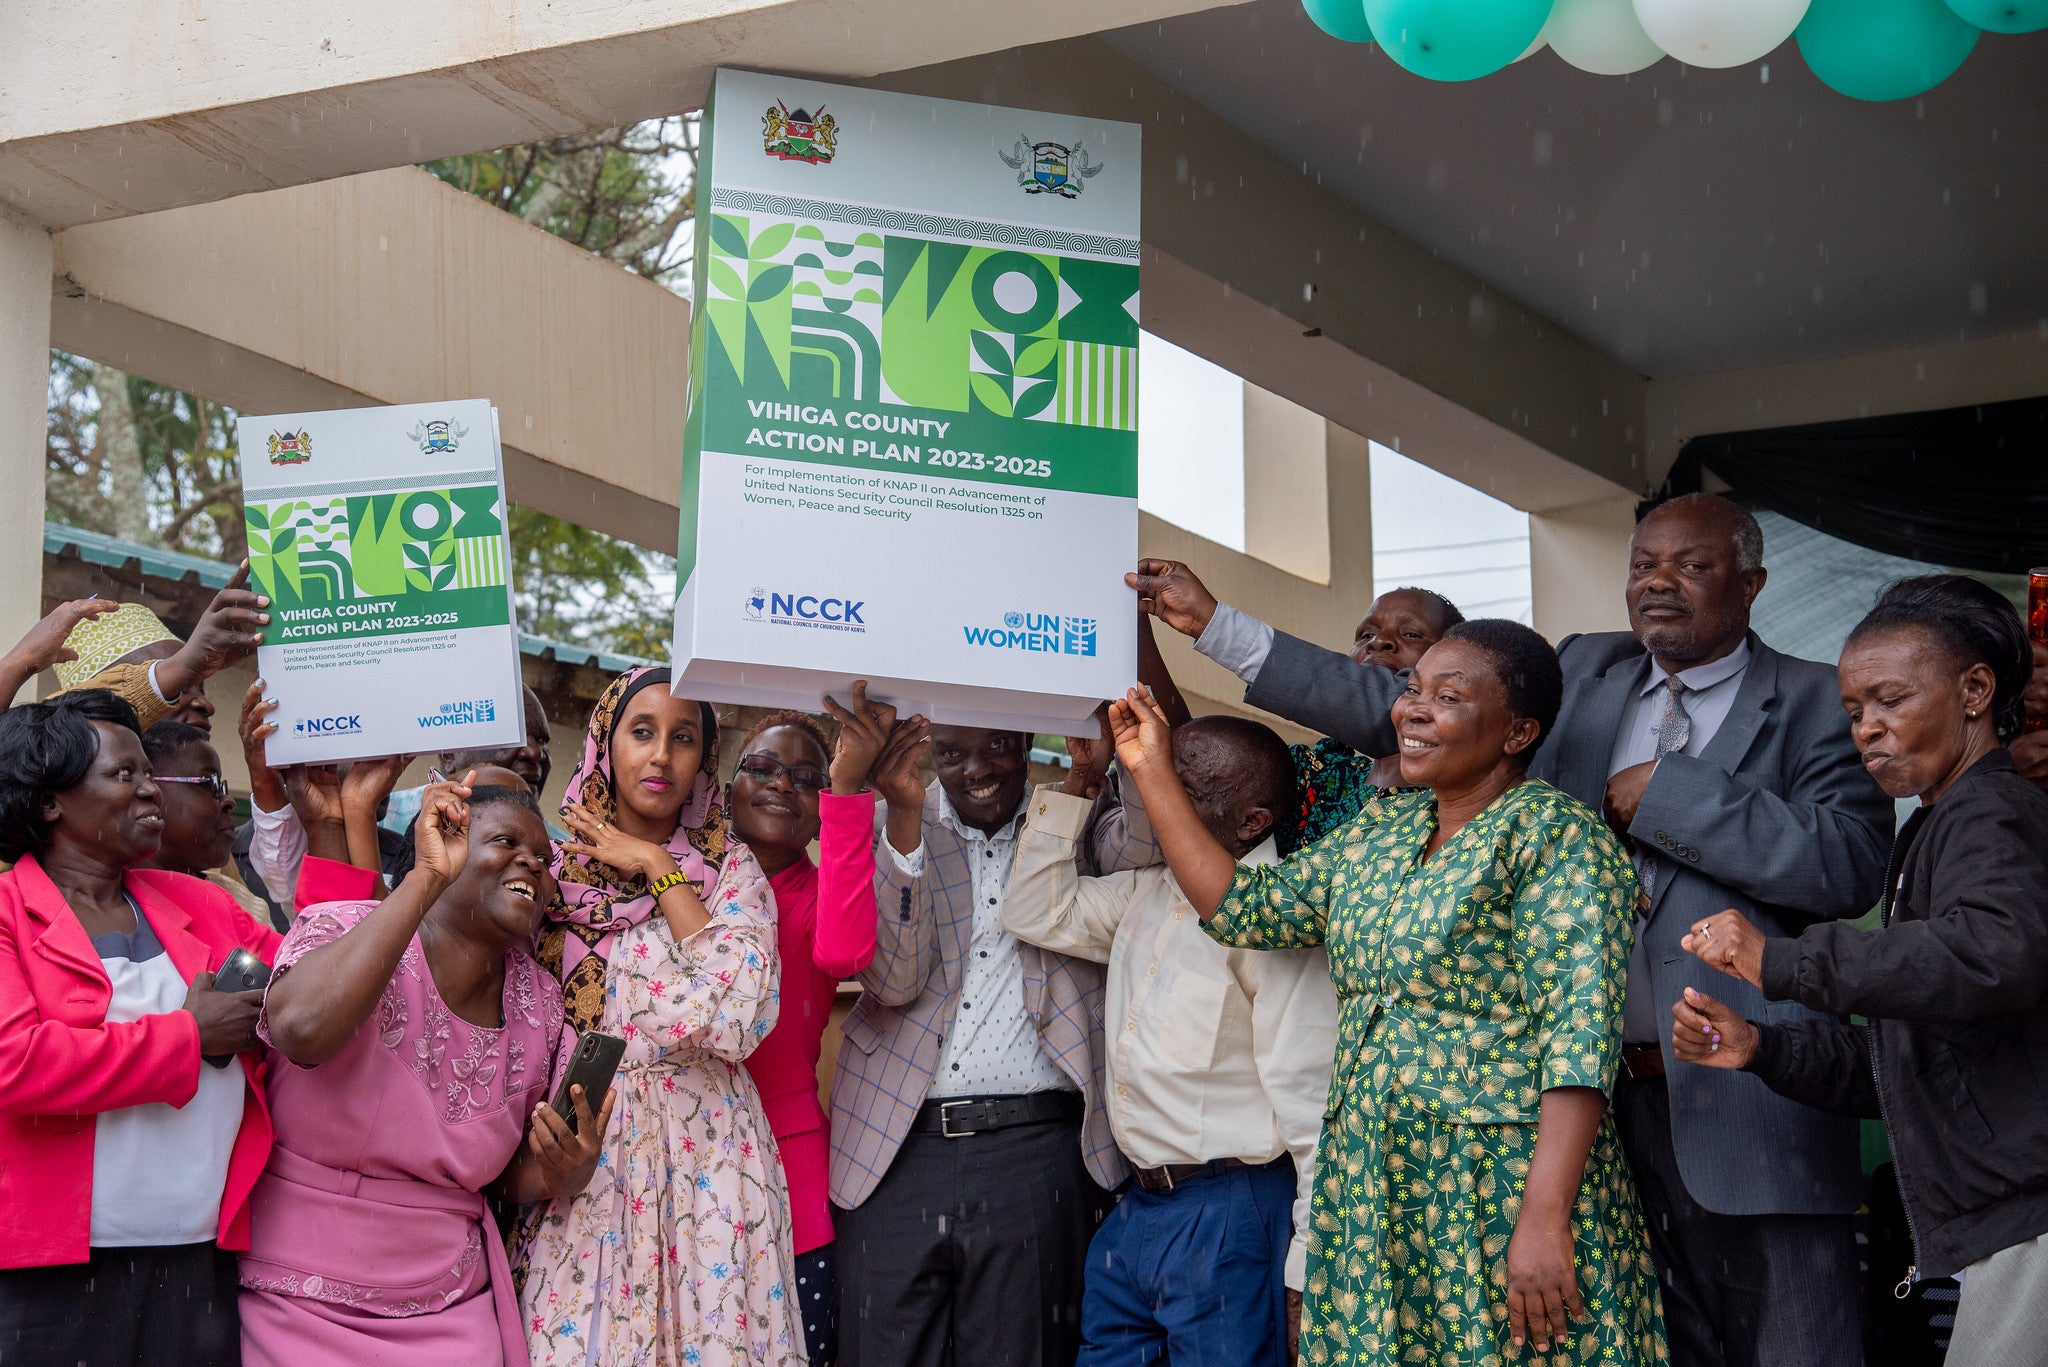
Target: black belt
{"x": 1642, "y": 1061}
{"x": 1160, "y": 1180}
{"x": 960, "y": 1117}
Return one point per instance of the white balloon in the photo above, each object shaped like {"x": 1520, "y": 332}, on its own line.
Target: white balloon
{"x": 1600, "y": 36}
{"x": 1719, "y": 32}
{"x": 1535, "y": 46}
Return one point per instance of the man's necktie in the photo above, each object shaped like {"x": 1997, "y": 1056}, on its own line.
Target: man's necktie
{"x": 1674, "y": 729}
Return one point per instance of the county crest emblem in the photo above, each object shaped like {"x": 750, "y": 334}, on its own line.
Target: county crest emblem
{"x": 798, "y": 135}
{"x": 290, "y": 448}
{"x": 437, "y": 436}
{"x": 1051, "y": 167}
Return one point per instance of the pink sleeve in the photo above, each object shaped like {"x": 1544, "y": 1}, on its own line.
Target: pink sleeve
{"x": 327, "y": 880}
{"x": 843, "y": 935}
{"x": 321, "y": 926}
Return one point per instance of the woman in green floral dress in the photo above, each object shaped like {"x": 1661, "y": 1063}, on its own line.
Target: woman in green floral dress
{"x": 1472, "y": 1207}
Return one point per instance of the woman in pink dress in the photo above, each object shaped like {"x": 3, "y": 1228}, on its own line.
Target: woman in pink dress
{"x": 665, "y": 936}
{"x": 417, "y": 1040}
{"x": 825, "y": 928}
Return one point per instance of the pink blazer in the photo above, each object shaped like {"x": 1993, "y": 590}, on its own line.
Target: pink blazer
{"x": 825, "y": 932}
{"x": 61, "y": 1064}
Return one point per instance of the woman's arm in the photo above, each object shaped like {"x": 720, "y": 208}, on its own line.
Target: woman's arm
{"x": 843, "y": 931}
{"x": 312, "y": 1010}
{"x": 1144, "y": 747}
{"x": 717, "y": 989}
{"x": 1543, "y": 1285}
{"x": 678, "y": 903}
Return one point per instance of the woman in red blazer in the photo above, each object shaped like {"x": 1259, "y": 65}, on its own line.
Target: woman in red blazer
{"x": 126, "y": 1160}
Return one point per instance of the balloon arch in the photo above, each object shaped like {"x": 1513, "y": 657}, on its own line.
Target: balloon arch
{"x": 1866, "y": 49}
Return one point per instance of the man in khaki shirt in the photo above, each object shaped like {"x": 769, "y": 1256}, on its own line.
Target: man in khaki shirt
{"x": 1218, "y": 1069}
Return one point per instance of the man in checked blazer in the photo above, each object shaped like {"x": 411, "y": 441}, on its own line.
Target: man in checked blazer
{"x": 971, "y": 1153}
{"x": 1730, "y": 769}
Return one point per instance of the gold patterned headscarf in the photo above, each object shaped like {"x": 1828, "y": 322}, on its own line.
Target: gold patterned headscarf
{"x": 598, "y": 900}
{"x": 100, "y": 641}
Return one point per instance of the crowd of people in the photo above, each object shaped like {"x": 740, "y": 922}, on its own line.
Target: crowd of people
{"x": 1520, "y": 1019}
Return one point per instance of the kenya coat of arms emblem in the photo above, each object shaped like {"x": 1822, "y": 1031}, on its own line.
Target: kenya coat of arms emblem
{"x": 1051, "y": 167}
{"x": 290, "y": 448}
{"x": 797, "y": 135}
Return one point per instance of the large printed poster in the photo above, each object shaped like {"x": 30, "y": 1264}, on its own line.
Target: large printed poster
{"x": 912, "y": 446}
{"x": 379, "y": 536}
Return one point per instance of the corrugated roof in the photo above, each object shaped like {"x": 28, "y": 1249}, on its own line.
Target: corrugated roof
{"x": 97, "y": 548}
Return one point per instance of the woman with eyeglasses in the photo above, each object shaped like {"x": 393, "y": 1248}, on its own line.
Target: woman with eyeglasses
{"x": 825, "y": 930}
{"x": 199, "y": 815}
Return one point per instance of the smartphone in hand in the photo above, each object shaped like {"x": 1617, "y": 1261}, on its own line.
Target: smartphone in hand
{"x": 592, "y": 1067}
{"x": 242, "y": 972}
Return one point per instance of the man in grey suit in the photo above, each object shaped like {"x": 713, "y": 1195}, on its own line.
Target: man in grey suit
{"x": 1729, "y": 767}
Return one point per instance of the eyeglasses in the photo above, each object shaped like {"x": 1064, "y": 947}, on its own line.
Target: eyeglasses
{"x": 763, "y": 769}
{"x": 215, "y": 783}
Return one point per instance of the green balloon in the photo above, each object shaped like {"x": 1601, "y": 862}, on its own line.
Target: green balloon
{"x": 2004, "y": 16}
{"x": 1456, "y": 40}
{"x": 1883, "y": 49}
{"x": 1340, "y": 19}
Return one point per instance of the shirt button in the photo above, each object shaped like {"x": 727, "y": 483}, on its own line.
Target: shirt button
{"x": 984, "y": 954}
{"x": 966, "y": 1006}
{"x": 1178, "y": 914}
{"x": 991, "y": 901}
{"x": 1120, "y": 1090}
{"x": 956, "y": 1067}
{"x": 1152, "y": 972}
{"x": 1130, "y": 1025}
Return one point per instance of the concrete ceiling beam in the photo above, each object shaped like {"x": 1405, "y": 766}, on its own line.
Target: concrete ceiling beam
{"x": 115, "y": 108}
{"x": 396, "y": 288}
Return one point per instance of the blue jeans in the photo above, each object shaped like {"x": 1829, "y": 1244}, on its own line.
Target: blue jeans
{"x": 1194, "y": 1277}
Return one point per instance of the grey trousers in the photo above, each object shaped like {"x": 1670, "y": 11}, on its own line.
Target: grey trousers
{"x": 2002, "y": 1320}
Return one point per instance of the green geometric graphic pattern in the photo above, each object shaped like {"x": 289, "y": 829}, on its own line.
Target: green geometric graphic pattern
{"x": 443, "y": 549}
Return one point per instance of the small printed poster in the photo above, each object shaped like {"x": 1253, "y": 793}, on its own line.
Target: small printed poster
{"x": 912, "y": 446}
{"x": 379, "y": 536}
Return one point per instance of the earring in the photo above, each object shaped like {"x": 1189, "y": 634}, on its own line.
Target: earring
{"x": 1970, "y": 714}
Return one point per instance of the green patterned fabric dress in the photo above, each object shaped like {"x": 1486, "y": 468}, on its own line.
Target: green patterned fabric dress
{"x": 1468, "y": 984}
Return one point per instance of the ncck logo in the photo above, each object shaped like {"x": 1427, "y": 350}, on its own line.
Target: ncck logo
{"x": 1045, "y": 632}
{"x": 805, "y": 610}
{"x": 461, "y": 714}
{"x": 345, "y": 725}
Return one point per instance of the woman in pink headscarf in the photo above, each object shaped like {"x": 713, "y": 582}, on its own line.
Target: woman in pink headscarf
{"x": 679, "y": 1249}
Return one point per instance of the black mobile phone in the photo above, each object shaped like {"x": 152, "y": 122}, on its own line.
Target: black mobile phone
{"x": 591, "y": 1067}
{"x": 242, "y": 972}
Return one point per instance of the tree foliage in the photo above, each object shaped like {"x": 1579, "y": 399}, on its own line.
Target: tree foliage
{"x": 625, "y": 194}
{"x": 152, "y": 464}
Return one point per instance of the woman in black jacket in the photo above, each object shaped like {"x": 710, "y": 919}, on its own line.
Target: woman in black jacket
{"x": 1955, "y": 1058}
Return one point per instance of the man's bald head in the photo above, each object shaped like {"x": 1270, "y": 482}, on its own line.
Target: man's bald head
{"x": 1240, "y": 777}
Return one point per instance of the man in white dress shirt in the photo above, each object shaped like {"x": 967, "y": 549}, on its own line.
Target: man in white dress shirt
{"x": 1218, "y": 1071}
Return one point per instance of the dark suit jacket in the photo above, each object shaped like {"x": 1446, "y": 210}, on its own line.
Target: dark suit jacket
{"x": 1776, "y": 818}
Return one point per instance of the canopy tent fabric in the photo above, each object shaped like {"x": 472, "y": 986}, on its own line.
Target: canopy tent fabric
{"x": 1964, "y": 487}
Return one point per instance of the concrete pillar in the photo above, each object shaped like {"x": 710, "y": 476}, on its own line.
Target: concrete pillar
{"x": 1578, "y": 567}
{"x": 24, "y": 418}
{"x": 1286, "y": 486}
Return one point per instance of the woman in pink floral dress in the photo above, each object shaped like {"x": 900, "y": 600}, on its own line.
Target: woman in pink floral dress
{"x": 678, "y": 1252}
